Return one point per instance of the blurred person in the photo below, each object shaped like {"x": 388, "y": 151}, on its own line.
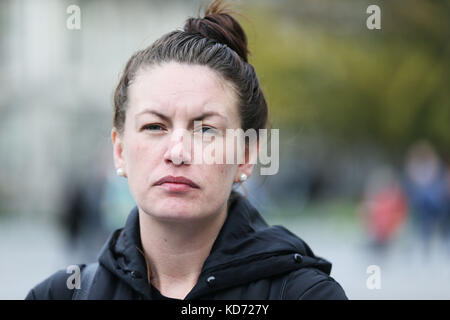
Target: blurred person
{"x": 69, "y": 217}
{"x": 83, "y": 215}
{"x": 384, "y": 208}
{"x": 427, "y": 191}
{"x": 446, "y": 223}
{"x": 191, "y": 235}
{"x": 72, "y": 213}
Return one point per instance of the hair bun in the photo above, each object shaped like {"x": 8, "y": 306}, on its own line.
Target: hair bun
{"x": 219, "y": 25}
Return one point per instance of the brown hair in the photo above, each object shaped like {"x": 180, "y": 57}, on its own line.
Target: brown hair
{"x": 218, "y": 41}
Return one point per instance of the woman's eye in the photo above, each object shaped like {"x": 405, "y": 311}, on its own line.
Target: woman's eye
{"x": 208, "y": 130}
{"x": 152, "y": 127}
{"x": 157, "y": 127}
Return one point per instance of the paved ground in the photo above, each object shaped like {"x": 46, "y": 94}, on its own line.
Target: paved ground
{"x": 32, "y": 250}
{"x": 405, "y": 272}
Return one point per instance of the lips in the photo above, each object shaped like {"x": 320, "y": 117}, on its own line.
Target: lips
{"x": 176, "y": 180}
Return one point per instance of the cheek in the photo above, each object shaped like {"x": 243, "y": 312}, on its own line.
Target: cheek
{"x": 136, "y": 154}
{"x": 142, "y": 157}
{"x": 223, "y": 170}
{"x": 219, "y": 174}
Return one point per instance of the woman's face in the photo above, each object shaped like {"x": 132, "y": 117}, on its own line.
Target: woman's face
{"x": 164, "y": 100}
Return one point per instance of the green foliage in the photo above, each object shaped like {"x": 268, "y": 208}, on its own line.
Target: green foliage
{"x": 388, "y": 87}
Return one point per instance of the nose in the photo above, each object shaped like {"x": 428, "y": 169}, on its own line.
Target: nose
{"x": 179, "y": 149}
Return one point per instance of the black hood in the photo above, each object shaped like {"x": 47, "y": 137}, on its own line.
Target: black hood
{"x": 246, "y": 249}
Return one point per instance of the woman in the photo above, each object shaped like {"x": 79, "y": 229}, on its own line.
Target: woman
{"x": 191, "y": 236}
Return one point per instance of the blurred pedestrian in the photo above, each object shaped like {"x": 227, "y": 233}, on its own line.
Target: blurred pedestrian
{"x": 384, "y": 208}
{"x": 427, "y": 192}
{"x": 83, "y": 216}
{"x": 446, "y": 223}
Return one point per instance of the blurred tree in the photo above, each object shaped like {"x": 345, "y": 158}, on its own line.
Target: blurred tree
{"x": 323, "y": 70}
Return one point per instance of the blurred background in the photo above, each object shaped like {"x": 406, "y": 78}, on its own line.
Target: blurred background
{"x": 364, "y": 119}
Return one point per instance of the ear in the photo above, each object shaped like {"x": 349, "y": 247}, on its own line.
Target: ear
{"x": 119, "y": 159}
{"x": 251, "y": 156}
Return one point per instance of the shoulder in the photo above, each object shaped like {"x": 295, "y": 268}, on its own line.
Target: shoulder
{"x": 55, "y": 287}
{"x": 311, "y": 284}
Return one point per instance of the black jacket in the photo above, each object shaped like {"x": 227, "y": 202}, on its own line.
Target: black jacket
{"x": 249, "y": 260}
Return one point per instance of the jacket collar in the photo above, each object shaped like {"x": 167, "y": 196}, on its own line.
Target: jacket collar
{"x": 246, "y": 249}
{"x": 122, "y": 256}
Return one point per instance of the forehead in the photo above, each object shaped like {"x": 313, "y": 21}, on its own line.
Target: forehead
{"x": 181, "y": 90}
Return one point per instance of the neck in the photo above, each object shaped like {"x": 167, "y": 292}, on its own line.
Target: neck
{"x": 176, "y": 251}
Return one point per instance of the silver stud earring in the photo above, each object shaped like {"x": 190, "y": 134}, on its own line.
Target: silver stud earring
{"x": 243, "y": 177}
{"x": 120, "y": 172}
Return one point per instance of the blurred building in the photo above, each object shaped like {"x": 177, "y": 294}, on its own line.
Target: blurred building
{"x": 56, "y": 88}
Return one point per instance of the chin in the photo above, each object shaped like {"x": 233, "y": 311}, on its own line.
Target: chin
{"x": 177, "y": 216}
{"x": 173, "y": 209}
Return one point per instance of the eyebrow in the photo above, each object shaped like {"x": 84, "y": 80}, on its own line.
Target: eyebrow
{"x": 164, "y": 117}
